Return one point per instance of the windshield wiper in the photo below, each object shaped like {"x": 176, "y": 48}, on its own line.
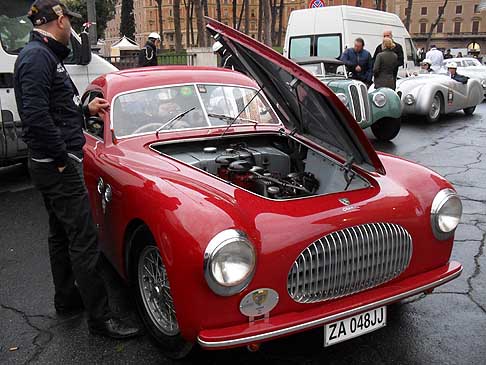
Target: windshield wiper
{"x": 241, "y": 111}
{"x": 172, "y": 120}
{"x": 230, "y": 118}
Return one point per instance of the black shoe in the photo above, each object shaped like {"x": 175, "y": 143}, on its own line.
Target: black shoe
{"x": 114, "y": 328}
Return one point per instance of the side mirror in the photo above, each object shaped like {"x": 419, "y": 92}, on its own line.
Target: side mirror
{"x": 94, "y": 125}
{"x": 85, "y": 52}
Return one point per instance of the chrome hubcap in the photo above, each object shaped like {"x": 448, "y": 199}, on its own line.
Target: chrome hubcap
{"x": 155, "y": 291}
{"x": 435, "y": 107}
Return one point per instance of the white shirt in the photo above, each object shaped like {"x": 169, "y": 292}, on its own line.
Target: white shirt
{"x": 436, "y": 57}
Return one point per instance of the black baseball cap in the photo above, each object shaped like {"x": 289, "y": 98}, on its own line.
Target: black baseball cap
{"x": 45, "y": 11}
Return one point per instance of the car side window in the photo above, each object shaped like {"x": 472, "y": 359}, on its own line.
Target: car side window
{"x": 93, "y": 125}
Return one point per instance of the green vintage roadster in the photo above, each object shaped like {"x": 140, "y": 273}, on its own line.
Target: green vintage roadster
{"x": 380, "y": 109}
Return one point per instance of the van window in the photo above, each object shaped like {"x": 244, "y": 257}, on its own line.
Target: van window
{"x": 300, "y": 47}
{"x": 329, "y": 46}
{"x": 410, "y": 50}
{"x": 14, "y": 32}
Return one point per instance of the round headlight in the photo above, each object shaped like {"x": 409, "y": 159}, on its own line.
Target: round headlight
{"x": 409, "y": 99}
{"x": 343, "y": 98}
{"x": 229, "y": 262}
{"x": 445, "y": 213}
{"x": 379, "y": 99}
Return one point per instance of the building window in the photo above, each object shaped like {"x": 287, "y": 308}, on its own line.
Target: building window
{"x": 475, "y": 26}
{"x": 423, "y": 28}
{"x": 423, "y": 11}
{"x": 406, "y": 11}
{"x": 459, "y": 9}
{"x": 440, "y": 10}
{"x": 170, "y": 12}
{"x": 440, "y": 27}
{"x": 252, "y": 13}
{"x": 457, "y": 27}
{"x": 476, "y": 8}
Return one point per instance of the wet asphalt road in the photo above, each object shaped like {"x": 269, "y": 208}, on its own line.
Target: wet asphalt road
{"x": 446, "y": 327}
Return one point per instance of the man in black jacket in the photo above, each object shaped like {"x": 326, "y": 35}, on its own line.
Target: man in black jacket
{"x": 52, "y": 120}
{"x": 398, "y": 50}
{"x": 148, "y": 54}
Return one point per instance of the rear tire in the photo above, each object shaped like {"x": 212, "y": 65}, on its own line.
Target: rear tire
{"x": 386, "y": 128}
{"x": 154, "y": 299}
{"x": 470, "y": 110}
{"x": 436, "y": 108}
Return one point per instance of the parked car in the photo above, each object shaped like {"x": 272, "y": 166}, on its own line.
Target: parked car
{"x": 470, "y": 67}
{"x": 433, "y": 95}
{"x": 247, "y": 209}
{"x": 378, "y": 109}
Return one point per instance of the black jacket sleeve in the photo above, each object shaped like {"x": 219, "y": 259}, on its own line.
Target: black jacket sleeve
{"x": 399, "y": 52}
{"x": 377, "y": 52}
{"x": 35, "y": 75}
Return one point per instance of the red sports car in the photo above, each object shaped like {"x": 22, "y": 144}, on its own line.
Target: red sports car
{"x": 246, "y": 208}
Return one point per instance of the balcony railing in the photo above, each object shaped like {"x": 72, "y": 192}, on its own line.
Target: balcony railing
{"x": 450, "y": 35}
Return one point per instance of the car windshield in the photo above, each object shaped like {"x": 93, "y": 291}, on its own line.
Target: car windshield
{"x": 202, "y": 105}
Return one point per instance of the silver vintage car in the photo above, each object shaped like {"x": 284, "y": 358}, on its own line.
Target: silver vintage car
{"x": 470, "y": 67}
{"x": 432, "y": 95}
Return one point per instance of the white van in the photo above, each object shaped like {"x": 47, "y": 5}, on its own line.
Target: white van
{"x": 82, "y": 65}
{"x": 328, "y": 31}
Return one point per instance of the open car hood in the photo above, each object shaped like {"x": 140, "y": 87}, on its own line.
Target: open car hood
{"x": 303, "y": 103}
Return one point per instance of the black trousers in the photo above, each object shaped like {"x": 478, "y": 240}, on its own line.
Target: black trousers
{"x": 73, "y": 240}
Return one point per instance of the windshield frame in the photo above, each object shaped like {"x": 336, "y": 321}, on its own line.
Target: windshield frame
{"x": 193, "y": 84}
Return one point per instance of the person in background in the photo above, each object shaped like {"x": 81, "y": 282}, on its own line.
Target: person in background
{"x": 425, "y": 67}
{"x": 385, "y": 66}
{"x": 358, "y": 62}
{"x": 52, "y": 120}
{"x": 448, "y": 54}
{"x": 398, "y": 50}
{"x": 452, "y": 70}
{"x": 148, "y": 54}
{"x": 459, "y": 55}
{"x": 421, "y": 54}
{"x": 436, "y": 57}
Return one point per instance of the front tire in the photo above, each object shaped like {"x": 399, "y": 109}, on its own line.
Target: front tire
{"x": 386, "y": 128}
{"x": 470, "y": 110}
{"x": 154, "y": 301}
{"x": 435, "y": 108}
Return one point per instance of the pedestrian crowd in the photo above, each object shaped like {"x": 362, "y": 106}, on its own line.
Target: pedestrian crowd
{"x": 382, "y": 68}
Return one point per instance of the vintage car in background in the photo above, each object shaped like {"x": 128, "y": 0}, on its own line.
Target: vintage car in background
{"x": 435, "y": 94}
{"x": 246, "y": 209}
{"x": 380, "y": 109}
{"x": 470, "y": 67}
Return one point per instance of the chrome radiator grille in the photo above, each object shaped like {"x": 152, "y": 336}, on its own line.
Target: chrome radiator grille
{"x": 349, "y": 261}
{"x": 360, "y": 103}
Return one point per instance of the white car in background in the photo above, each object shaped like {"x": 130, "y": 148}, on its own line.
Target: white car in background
{"x": 470, "y": 67}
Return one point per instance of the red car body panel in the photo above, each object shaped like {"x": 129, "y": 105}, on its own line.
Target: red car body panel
{"x": 185, "y": 207}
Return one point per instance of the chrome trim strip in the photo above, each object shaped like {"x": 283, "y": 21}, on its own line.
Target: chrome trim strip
{"x": 332, "y": 318}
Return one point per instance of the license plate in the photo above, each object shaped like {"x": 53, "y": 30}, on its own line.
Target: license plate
{"x": 354, "y": 326}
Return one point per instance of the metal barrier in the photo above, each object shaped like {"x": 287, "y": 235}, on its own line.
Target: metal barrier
{"x": 131, "y": 61}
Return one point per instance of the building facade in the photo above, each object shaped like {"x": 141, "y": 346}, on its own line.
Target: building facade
{"x": 463, "y": 25}
{"x": 146, "y": 18}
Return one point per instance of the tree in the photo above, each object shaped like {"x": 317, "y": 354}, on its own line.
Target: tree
{"x": 246, "y": 4}
{"x": 267, "y": 25}
{"x": 201, "y": 35}
{"x": 409, "y": 13}
{"x": 260, "y": 19}
{"x": 273, "y": 11}
{"x": 280, "y": 23}
{"x": 127, "y": 24}
{"x": 434, "y": 25}
{"x": 218, "y": 10}
{"x": 234, "y": 7}
{"x": 177, "y": 25}
{"x": 161, "y": 24}
{"x": 105, "y": 11}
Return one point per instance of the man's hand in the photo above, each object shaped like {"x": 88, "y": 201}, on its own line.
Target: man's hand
{"x": 98, "y": 105}
{"x": 61, "y": 169}
{"x": 357, "y": 69}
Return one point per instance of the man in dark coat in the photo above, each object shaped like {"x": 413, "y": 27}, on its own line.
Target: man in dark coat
{"x": 398, "y": 50}
{"x": 148, "y": 54}
{"x": 358, "y": 62}
{"x": 52, "y": 120}
{"x": 452, "y": 69}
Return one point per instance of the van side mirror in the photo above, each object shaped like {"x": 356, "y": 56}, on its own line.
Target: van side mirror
{"x": 85, "y": 52}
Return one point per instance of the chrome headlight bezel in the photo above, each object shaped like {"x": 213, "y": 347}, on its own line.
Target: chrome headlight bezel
{"x": 442, "y": 201}
{"x": 216, "y": 247}
{"x": 343, "y": 97}
{"x": 409, "y": 99}
{"x": 379, "y": 99}
{"x": 483, "y": 84}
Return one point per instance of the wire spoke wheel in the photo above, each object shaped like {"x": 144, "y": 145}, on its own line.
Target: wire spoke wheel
{"x": 155, "y": 292}
{"x": 435, "y": 107}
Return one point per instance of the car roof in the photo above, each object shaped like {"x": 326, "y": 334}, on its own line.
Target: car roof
{"x": 148, "y": 77}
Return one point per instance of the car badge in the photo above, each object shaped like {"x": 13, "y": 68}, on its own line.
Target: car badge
{"x": 260, "y": 296}
{"x": 345, "y": 201}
